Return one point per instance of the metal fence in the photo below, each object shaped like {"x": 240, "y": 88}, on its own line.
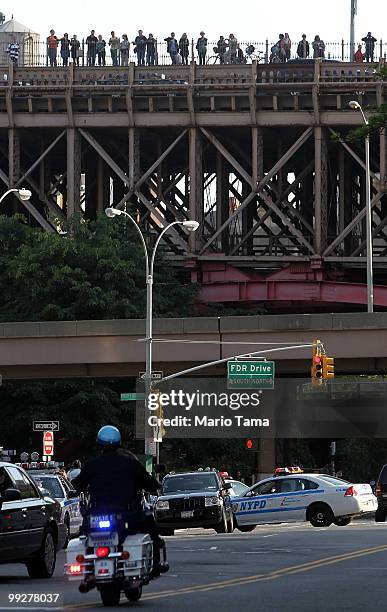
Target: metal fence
{"x": 32, "y": 53}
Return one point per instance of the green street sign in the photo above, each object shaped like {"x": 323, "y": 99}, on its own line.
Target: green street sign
{"x": 250, "y": 374}
{"x": 132, "y": 397}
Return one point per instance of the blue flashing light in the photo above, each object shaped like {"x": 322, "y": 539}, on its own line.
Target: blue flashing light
{"x": 104, "y": 524}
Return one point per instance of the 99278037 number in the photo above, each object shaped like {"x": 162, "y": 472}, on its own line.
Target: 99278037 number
{"x": 26, "y": 599}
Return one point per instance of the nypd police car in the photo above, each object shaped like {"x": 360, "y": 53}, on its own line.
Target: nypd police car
{"x": 61, "y": 490}
{"x": 318, "y": 498}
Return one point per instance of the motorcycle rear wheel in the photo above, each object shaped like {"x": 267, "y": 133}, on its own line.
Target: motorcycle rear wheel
{"x": 110, "y": 594}
{"x": 133, "y": 594}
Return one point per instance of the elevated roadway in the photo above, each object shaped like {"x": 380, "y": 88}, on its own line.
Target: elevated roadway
{"x": 111, "y": 348}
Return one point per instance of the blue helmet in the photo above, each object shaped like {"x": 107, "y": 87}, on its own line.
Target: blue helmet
{"x": 109, "y": 436}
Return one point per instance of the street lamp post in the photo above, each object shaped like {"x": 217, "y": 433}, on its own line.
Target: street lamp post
{"x": 354, "y": 105}
{"x": 24, "y": 194}
{"x": 191, "y": 226}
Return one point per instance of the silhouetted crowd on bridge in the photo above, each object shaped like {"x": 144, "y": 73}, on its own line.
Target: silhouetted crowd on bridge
{"x": 66, "y": 49}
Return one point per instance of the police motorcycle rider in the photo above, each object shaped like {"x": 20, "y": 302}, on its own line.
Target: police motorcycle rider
{"x": 114, "y": 481}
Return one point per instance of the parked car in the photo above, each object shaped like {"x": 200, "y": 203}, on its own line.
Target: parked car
{"x": 31, "y": 526}
{"x": 381, "y": 495}
{"x": 194, "y": 499}
{"x": 237, "y": 488}
{"x": 318, "y": 498}
{"x": 62, "y": 490}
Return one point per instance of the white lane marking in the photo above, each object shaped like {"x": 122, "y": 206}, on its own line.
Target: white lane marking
{"x": 270, "y": 535}
{"x": 213, "y": 547}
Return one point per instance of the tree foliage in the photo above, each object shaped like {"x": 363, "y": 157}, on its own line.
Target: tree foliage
{"x": 95, "y": 271}
{"x": 81, "y": 407}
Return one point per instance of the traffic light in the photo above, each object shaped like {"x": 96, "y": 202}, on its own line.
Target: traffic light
{"x": 251, "y": 445}
{"x": 328, "y": 367}
{"x": 317, "y": 370}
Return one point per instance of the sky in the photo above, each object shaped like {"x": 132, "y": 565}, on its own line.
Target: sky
{"x": 254, "y": 20}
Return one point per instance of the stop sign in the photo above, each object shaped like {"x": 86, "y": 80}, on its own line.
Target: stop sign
{"x": 48, "y": 443}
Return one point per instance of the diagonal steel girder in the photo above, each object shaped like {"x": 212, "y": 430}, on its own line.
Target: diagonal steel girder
{"x": 125, "y": 179}
{"x": 375, "y": 233}
{"x": 40, "y": 158}
{"x": 31, "y": 208}
{"x": 259, "y": 188}
{"x": 354, "y": 155}
{"x": 351, "y": 225}
{"x": 268, "y": 213}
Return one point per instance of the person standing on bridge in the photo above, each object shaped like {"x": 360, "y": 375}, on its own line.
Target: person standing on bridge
{"x": 287, "y": 45}
{"x": 140, "y": 42}
{"x": 201, "y": 47}
{"x": 13, "y": 51}
{"x": 184, "y": 48}
{"x": 151, "y": 50}
{"x": 91, "y": 42}
{"x": 124, "y": 50}
{"x": 303, "y": 48}
{"x": 221, "y": 48}
{"x": 52, "y": 48}
{"x": 369, "y": 41}
{"x": 172, "y": 47}
{"x": 359, "y": 55}
{"x": 65, "y": 49}
{"x": 101, "y": 52}
{"x": 76, "y": 51}
{"x": 114, "y": 43}
{"x": 232, "y": 44}
{"x": 318, "y": 47}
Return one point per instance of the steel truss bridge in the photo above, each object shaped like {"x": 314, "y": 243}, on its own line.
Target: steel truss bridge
{"x": 247, "y": 150}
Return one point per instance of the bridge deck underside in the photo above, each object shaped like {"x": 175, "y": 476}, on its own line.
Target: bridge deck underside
{"x": 248, "y": 151}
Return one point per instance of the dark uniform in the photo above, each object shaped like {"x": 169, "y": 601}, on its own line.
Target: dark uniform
{"x": 114, "y": 481}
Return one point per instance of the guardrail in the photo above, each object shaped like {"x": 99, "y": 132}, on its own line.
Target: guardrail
{"x": 224, "y": 76}
{"x": 35, "y": 53}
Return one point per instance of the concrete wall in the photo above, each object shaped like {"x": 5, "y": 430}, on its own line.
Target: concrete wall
{"x": 110, "y": 348}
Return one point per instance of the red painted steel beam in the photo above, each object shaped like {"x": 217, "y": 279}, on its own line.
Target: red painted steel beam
{"x": 291, "y": 291}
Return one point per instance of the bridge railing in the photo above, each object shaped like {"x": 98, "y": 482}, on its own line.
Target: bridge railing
{"x": 36, "y": 53}
{"x": 223, "y": 76}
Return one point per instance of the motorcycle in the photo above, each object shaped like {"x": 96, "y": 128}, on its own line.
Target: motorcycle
{"x": 110, "y": 560}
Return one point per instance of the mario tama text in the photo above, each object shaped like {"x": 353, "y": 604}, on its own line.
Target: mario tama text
{"x": 202, "y": 409}
{"x": 205, "y": 408}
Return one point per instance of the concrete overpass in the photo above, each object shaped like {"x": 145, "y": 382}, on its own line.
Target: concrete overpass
{"x": 35, "y": 350}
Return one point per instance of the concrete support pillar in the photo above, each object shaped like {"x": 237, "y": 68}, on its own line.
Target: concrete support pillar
{"x": 13, "y": 156}
{"x": 133, "y": 156}
{"x": 91, "y": 184}
{"x": 73, "y": 172}
{"x": 44, "y": 171}
{"x": 320, "y": 190}
{"x": 345, "y": 169}
{"x": 119, "y": 190}
{"x": 257, "y": 154}
{"x": 103, "y": 185}
{"x": 247, "y": 219}
{"x": 222, "y": 199}
{"x": 196, "y": 198}
{"x": 383, "y": 172}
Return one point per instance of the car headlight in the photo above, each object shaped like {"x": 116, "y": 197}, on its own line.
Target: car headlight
{"x": 162, "y": 505}
{"x": 212, "y": 501}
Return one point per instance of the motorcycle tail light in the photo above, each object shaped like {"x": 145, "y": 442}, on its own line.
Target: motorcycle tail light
{"x": 79, "y": 558}
{"x": 102, "y": 551}
{"x": 103, "y": 570}
{"x": 75, "y": 568}
{"x": 125, "y": 554}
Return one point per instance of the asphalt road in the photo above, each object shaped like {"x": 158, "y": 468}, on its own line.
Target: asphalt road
{"x": 294, "y": 567}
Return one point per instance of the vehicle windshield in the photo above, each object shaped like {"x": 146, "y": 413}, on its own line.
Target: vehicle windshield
{"x": 191, "y": 482}
{"x": 334, "y": 481}
{"x": 51, "y": 485}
